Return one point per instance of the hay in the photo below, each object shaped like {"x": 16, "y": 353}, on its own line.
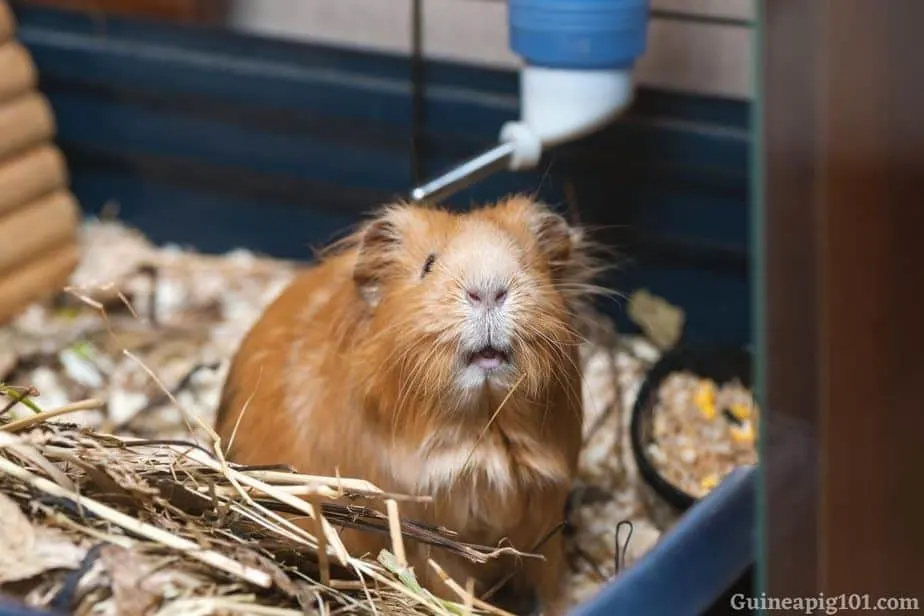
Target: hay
{"x": 216, "y": 527}
{"x": 126, "y": 505}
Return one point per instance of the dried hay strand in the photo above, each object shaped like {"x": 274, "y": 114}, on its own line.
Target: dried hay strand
{"x": 198, "y": 535}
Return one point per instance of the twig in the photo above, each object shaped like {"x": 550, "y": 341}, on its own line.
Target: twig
{"x": 344, "y": 484}
{"x": 465, "y": 596}
{"x": 323, "y": 560}
{"x": 188, "y": 418}
{"x": 365, "y": 589}
{"x": 276, "y": 522}
{"x": 295, "y": 490}
{"x": 433, "y": 602}
{"x": 240, "y": 416}
{"x": 238, "y": 478}
{"x": 468, "y": 601}
{"x": 394, "y": 529}
{"x": 28, "y": 422}
{"x": 63, "y": 520}
{"x": 30, "y": 455}
{"x": 19, "y": 397}
{"x": 500, "y": 583}
{"x": 296, "y": 503}
{"x": 487, "y": 426}
{"x": 159, "y": 399}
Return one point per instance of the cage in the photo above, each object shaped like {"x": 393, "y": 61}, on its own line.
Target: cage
{"x": 211, "y": 146}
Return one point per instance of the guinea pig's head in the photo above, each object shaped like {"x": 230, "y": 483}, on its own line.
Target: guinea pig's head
{"x": 463, "y": 302}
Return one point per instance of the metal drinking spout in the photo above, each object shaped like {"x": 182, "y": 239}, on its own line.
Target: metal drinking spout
{"x": 577, "y": 77}
{"x": 465, "y": 174}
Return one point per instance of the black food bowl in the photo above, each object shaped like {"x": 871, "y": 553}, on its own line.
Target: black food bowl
{"x": 721, "y": 364}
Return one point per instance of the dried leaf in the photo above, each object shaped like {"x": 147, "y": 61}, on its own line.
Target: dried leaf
{"x": 27, "y": 551}
{"x": 661, "y": 321}
{"x": 127, "y": 572}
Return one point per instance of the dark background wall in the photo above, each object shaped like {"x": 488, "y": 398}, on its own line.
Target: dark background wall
{"x": 220, "y": 140}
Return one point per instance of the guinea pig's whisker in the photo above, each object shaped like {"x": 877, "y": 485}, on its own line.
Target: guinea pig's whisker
{"x": 555, "y": 345}
{"x": 409, "y": 378}
{"x": 403, "y": 396}
{"x": 574, "y": 390}
{"x": 410, "y": 384}
{"x": 556, "y": 349}
{"x": 565, "y": 328}
{"x": 541, "y": 340}
{"x": 588, "y": 289}
{"x": 588, "y": 293}
{"x": 389, "y": 358}
{"x": 538, "y": 332}
{"x": 453, "y": 276}
{"x": 398, "y": 324}
{"x": 423, "y": 369}
{"x": 244, "y": 408}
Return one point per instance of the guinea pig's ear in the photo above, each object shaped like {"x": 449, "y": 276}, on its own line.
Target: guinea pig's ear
{"x": 378, "y": 240}
{"x": 554, "y": 236}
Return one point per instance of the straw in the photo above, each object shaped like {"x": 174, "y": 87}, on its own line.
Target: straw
{"x": 248, "y": 574}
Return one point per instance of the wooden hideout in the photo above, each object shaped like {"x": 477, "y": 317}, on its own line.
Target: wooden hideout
{"x": 39, "y": 216}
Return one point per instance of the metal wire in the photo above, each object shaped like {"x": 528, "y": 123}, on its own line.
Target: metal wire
{"x": 418, "y": 94}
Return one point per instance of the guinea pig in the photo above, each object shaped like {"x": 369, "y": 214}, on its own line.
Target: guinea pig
{"x": 434, "y": 354}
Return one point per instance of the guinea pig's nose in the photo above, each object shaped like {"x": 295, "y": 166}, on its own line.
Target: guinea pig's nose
{"x": 490, "y": 298}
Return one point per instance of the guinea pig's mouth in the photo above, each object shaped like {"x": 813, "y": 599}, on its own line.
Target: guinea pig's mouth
{"x": 489, "y": 358}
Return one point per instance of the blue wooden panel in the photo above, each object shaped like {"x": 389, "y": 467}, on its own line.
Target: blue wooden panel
{"x": 281, "y": 145}
{"x": 171, "y": 214}
{"x": 113, "y": 127}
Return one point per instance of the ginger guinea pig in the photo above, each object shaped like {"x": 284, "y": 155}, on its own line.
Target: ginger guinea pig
{"x": 431, "y": 353}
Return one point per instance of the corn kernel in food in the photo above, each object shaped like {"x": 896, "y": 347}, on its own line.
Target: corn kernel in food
{"x": 743, "y": 434}
{"x": 704, "y": 398}
{"x": 741, "y": 411}
{"x": 709, "y": 482}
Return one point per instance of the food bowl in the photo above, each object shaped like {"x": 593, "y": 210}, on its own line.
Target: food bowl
{"x": 722, "y": 365}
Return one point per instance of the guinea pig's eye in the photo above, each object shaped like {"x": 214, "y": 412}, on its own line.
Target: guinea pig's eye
{"x": 428, "y": 265}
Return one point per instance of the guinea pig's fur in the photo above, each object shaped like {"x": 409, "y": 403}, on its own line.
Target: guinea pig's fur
{"x": 389, "y": 359}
